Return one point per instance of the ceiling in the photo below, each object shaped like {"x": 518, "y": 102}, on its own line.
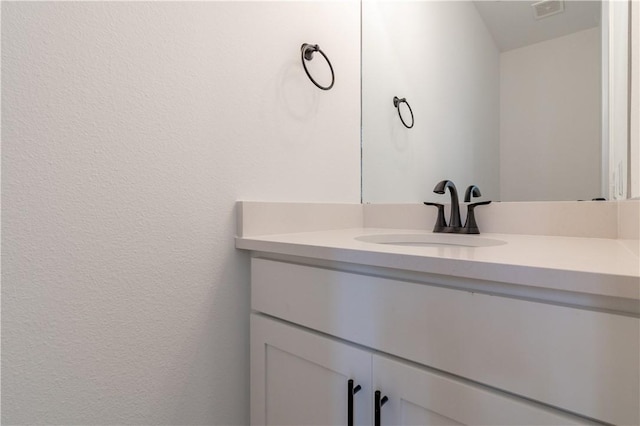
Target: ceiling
{"x": 513, "y": 24}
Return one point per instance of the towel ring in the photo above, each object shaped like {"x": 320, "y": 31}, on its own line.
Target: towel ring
{"x": 396, "y": 103}
{"x": 307, "y": 54}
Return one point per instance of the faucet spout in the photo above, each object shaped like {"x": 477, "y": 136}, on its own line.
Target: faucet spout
{"x": 454, "y": 219}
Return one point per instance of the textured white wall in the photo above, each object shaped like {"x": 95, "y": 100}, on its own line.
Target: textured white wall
{"x": 550, "y": 120}
{"x": 440, "y": 57}
{"x": 129, "y": 131}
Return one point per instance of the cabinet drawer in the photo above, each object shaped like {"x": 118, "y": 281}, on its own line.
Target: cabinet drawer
{"x": 582, "y": 361}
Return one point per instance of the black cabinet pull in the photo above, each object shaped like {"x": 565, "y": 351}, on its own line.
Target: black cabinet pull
{"x": 379, "y": 402}
{"x": 351, "y": 390}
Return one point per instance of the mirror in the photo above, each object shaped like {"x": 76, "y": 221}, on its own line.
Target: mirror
{"x": 503, "y": 99}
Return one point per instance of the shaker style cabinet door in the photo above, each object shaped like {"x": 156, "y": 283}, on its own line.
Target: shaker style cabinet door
{"x": 302, "y": 378}
{"x": 417, "y": 396}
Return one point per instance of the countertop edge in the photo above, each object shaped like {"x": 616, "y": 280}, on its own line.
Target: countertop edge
{"x": 619, "y": 286}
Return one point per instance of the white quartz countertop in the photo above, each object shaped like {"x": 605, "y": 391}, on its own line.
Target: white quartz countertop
{"x": 597, "y": 266}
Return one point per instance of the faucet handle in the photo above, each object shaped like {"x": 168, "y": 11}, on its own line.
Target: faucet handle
{"x": 441, "y": 223}
{"x": 470, "y": 225}
{"x": 472, "y": 191}
{"x": 479, "y": 203}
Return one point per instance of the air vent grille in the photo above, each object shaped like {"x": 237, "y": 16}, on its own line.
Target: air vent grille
{"x": 546, "y": 8}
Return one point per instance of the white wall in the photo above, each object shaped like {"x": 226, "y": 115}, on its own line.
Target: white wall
{"x": 129, "y": 131}
{"x": 442, "y": 59}
{"x": 550, "y": 119}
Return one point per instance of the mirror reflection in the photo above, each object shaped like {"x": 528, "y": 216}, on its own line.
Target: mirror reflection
{"x": 505, "y": 96}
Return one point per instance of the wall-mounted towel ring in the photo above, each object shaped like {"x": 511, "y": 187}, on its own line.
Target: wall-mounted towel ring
{"x": 396, "y": 103}
{"x": 307, "y": 55}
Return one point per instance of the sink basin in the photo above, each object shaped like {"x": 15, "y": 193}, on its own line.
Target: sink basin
{"x": 431, "y": 240}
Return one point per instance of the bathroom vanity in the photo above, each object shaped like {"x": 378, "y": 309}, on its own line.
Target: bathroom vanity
{"x": 357, "y": 326}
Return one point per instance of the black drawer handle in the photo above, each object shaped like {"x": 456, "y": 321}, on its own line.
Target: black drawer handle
{"x": 351, "y": 390}
{"x": 379, "y": 402}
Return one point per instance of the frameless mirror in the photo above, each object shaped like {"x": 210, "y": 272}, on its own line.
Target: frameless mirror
{"x": 512, "y": 97}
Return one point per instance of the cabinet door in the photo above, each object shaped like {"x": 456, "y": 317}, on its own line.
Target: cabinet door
{"x": 301, "y": 378}
{"x": 417, "y": 396}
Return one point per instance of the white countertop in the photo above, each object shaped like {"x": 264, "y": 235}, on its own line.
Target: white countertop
{"x": 597, "y": 266}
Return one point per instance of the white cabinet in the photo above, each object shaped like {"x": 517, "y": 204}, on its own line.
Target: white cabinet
{"x": 440, "y": 355}
{"x": 417, "y": 396}
{"x": 299, "y": 377}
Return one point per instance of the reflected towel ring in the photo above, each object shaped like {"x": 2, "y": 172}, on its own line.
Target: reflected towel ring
{"x": 396, "y": 103}
{"x": 307, "y": 54}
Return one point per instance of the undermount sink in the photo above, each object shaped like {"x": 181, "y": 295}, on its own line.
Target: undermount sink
{"x": 431, "y": 240}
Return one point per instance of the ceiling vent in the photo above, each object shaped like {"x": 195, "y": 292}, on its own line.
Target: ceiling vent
{"x": 546, "y": 8}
